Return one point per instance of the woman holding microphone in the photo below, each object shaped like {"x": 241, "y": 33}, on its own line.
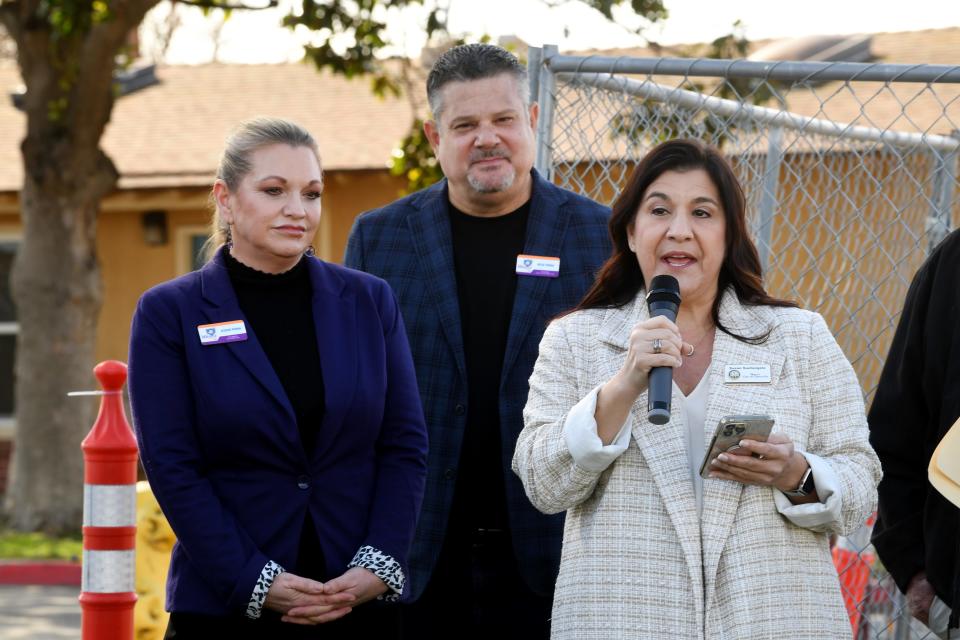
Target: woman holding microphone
{"x": 652, "y": 548}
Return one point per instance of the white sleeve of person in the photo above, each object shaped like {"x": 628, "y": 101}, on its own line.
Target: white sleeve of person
{"x": 580, "y": 433}
{"x": 817, "y": 516}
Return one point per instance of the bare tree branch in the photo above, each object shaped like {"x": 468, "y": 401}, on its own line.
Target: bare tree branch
{"x": 218, "y": 4}
{"x": 163, "y": 33}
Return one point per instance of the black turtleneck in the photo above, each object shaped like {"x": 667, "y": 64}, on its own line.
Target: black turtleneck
{"x": 279, "y": 309}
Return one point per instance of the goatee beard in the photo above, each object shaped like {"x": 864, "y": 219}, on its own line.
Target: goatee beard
{"x": 483, "y": 187}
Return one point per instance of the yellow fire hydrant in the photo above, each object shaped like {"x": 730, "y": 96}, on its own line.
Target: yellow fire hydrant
{"x": 155, "y": 541}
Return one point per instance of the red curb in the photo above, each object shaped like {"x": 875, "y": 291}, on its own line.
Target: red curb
{"x": 42, "y": 573}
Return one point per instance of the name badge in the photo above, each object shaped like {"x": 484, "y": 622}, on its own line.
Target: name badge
{"x": 747, "y": 374}
{"x": 221, "y": 332}
{"x": 539, "y": 266}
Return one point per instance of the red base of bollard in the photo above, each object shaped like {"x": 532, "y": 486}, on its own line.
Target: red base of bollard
{"x": 107, "y": 616}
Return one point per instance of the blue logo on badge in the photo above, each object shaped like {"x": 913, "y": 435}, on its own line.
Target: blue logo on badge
{"x": 211, "y": 331}
{"x": 527, "y": 262}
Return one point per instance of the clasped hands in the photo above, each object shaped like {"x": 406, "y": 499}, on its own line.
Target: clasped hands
{"x": 308, "y": 602}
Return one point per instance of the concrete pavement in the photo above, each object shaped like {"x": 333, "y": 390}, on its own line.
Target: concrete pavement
{"x": 32, "y": 612}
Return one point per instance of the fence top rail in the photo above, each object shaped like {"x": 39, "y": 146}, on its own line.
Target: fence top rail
{"x": 785, "y": 71}
{"x": 771, "y": 117}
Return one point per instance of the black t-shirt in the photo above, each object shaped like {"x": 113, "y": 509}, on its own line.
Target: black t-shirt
{"x": 485, "y": 254}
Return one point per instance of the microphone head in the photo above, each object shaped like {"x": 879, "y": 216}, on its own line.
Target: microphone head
{"x": 664, "y": 288}
{"x": 659, "y": 415}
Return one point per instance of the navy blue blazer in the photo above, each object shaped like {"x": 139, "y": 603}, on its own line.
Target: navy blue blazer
{"x": 408, "y": 244}
{"x": 220, "y": 445}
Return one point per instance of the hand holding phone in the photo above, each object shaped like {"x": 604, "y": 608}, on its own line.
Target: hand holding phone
{"x": 730, "y": 431}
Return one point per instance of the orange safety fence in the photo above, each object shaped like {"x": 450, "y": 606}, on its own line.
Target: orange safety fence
{"x": 853, "y": 567}
{"x": 854, "y": 571}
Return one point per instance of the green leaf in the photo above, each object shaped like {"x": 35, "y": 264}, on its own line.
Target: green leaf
{"x": 413, "y": 158}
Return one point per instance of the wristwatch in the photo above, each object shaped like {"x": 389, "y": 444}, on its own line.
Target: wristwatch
{"x": 806, "y": 486}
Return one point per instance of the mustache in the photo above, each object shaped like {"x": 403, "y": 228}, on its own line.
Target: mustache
{"x": 483, "y": 154}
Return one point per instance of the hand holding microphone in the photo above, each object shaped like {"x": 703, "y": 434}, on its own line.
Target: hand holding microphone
{"x": 654, "y": 345}
{"x": 663, "y": 300}
{"x": 643, "y": 355}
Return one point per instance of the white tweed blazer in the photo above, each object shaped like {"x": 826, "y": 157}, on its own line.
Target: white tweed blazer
{"x": 637, "y": 562}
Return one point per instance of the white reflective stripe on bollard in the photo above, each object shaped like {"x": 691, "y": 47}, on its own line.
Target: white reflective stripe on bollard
{"x": 109, "y": 505}
{"x": 107, "y": 571}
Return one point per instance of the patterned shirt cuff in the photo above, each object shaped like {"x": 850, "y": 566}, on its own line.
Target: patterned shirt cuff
{"x": 384, "y": 567}
{"x": 270, "y": 572}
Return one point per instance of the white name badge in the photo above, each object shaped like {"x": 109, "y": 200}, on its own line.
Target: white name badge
{"x": 221, "y": 332}
{"x": 747, "y": 374}
{"x": 538, "y": 266}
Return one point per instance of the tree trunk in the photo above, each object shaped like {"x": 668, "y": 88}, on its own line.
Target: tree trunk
{"x": 57, "y": 290}
{"x": 66, "y": 57}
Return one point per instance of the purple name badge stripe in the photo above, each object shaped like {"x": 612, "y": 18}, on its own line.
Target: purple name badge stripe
{"x": 542, "y": 273}
{"x": 237, "y": 337}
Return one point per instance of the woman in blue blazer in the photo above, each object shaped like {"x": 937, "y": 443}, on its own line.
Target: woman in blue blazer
{"x": 278, "y": 418}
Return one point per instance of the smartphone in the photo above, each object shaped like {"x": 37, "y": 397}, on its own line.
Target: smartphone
{"x": 730, "y": 431}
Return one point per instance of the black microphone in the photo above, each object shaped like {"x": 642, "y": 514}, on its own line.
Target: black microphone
{"x": 663, "y": 299}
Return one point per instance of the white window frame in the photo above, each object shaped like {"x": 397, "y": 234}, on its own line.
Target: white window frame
{"x": 183, "y": 256}
{"x": 8, "y": 423}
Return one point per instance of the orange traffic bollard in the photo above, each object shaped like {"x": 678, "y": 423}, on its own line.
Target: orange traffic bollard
{"x": 107, "y": 593}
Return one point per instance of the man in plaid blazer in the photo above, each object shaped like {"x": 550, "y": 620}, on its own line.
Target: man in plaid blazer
{"x": 480, "y": 263}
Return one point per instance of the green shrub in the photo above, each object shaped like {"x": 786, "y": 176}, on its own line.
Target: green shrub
{"x": 38, "y": 546}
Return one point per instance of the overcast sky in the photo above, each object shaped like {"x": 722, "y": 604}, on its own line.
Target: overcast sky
{"x": 258, "y": 37}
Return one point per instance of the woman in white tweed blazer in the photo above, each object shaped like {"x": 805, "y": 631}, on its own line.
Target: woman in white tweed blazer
{"x": 651, "y": 550}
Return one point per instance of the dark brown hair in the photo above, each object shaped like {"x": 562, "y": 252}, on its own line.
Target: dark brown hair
{"x": 477, "y": 61}
{"x": 620, "y": 278}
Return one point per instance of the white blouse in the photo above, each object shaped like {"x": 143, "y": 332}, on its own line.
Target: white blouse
{"x": 694, "y": 407}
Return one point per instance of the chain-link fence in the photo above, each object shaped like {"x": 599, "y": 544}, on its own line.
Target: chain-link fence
{"x": 850, "y": 172}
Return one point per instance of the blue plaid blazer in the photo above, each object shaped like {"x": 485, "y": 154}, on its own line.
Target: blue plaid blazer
{"x": 408, "y": 244}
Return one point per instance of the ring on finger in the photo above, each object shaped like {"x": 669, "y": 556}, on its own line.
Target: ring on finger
{"x": 657, "y": 345}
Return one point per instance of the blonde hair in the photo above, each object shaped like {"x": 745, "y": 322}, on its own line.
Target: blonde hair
{"x": 235, "y": 163}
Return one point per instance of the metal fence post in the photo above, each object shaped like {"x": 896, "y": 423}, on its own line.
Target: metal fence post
{"x": 534, "y": 61}
{"x": 546, "y": 83}
{"x": 901, "y": 628}
{"x": 769, "y": 196}
{"x": 944, "y": 178}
